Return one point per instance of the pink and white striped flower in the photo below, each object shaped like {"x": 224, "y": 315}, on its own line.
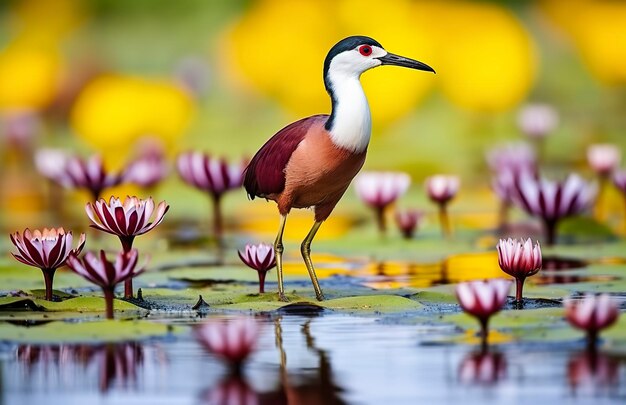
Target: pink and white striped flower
{"x": 380, "y": 189}
{"x": 46, "y": 249}
{"x": 408, "y": 221}
{"x": 537, "y": 120}
{"x": 519, "y": 259}
{"x": 146, "y": 171}
{"x": 591, "y": 314}
{"x": 215, "y": 176}
{"x": 482, "y": 299}
{"x": 105, "y": 274}
{"x": 604, "y": 158}
{"x": 442, "y": 188}
{"x": 127, "y": 219}
{"x": 261, "y": 258}
{"x": 50, "y": 163}
{"x": 554, "y": 200}
{"x": 233, "y": 340}
{"x": 88, "y": 174}
{"x": 514, "y": 157}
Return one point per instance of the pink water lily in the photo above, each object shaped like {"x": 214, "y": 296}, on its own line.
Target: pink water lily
{"x": 146, "y": 171}
{"x": 46, "y": 249}
{"x": 515, "y": 157}
{"x": 519, "y": 259}
{"x": 507, "y": 163}
{"x": 482, "y": 299}
{"x": 604, "y": 158}
{"x": 537, "y": 120}
{"x": 378, "y": 190}
{"x": 261, "y": 258}
{"x": 127, "y": 219}
{"x": 213, "y": 176}
{"x": 97, "y": 269}
{"x": 554, "y": 200}
{"x": 233, "y": 340}
{"x": 79, "y": 173}
{"x": 591, "y": 314}
{"x": 408, "y": 221}
{"x": 441, "y": 189}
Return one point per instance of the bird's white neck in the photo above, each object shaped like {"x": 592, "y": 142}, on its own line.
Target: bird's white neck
{"x": 350, "y": 124}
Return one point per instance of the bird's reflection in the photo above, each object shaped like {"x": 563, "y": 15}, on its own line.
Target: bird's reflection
{"x": 294, "y": 388}
{"x": 319, "y": 388}
{"x": 117, "y": 365}
{"x": 594, "y": 373}
{"x": 482, "y": 367}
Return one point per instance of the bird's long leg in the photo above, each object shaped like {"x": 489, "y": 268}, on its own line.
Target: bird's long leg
{"x": 278, "y": 250}
{"x": 305, "y": 248}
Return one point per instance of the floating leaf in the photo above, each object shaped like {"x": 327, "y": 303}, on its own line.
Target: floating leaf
{"x": 84, "y": 332}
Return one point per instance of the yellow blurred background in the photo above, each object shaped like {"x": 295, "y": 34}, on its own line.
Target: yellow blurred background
{"x": 102, "y": 76}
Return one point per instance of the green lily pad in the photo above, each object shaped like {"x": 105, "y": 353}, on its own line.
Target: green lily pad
{"x": 85, "y": 332}
{"x": 360, "y": 304}
{"x": 512, "y": 319}
{"x": 78, "y": 304}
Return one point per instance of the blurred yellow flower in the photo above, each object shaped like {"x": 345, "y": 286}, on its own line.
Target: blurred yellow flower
{"x": 484, "y": 57}
{"x": 278, "y": 48}
{"x": 487, "y": 60}
{"x": 29, "y": 77}
{"x": 598, "y": 29}
{"x": 114, "y": 111}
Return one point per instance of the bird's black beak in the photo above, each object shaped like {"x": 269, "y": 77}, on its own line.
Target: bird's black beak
{"x": 397, "y": 60}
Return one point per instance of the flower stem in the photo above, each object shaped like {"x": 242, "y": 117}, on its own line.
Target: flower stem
{"x": 380, "y": 220}
{"x": 127, "y": 245}
{"x": 550, "y": 226}
{"x": 503, "y": 215}
{"x": 217, "y": 218}
{"x": 444, "y": 220}
{"x": 484, "y": 332}
{"x": 108, "y": 299}
{"x": 592, "y": 340}
{"x": 48, "y": 278}
{"x": 262, "y": 281}
{"x": 519, "y": 287}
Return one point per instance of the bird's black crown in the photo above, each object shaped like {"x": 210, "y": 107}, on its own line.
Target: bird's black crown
{"x": 347, "y": 44}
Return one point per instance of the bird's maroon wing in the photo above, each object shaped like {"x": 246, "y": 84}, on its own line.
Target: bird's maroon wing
{"x": 265, "y": 174}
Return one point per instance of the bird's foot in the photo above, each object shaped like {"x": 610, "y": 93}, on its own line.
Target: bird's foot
{"x": 281, "y": 297}
{"x": 320, "y": 297}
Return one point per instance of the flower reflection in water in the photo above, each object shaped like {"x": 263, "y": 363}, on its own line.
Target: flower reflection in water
{"x": 302, "y": 386}
{"x": 592, "y": 373}
{"x": 116, "y": 365}
{"x": 482, "y": 367}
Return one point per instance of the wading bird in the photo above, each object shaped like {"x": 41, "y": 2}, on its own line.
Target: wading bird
{"x": 311, "y": 162}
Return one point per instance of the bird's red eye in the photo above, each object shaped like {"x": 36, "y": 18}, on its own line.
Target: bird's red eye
{"x": 365, "y": 50}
